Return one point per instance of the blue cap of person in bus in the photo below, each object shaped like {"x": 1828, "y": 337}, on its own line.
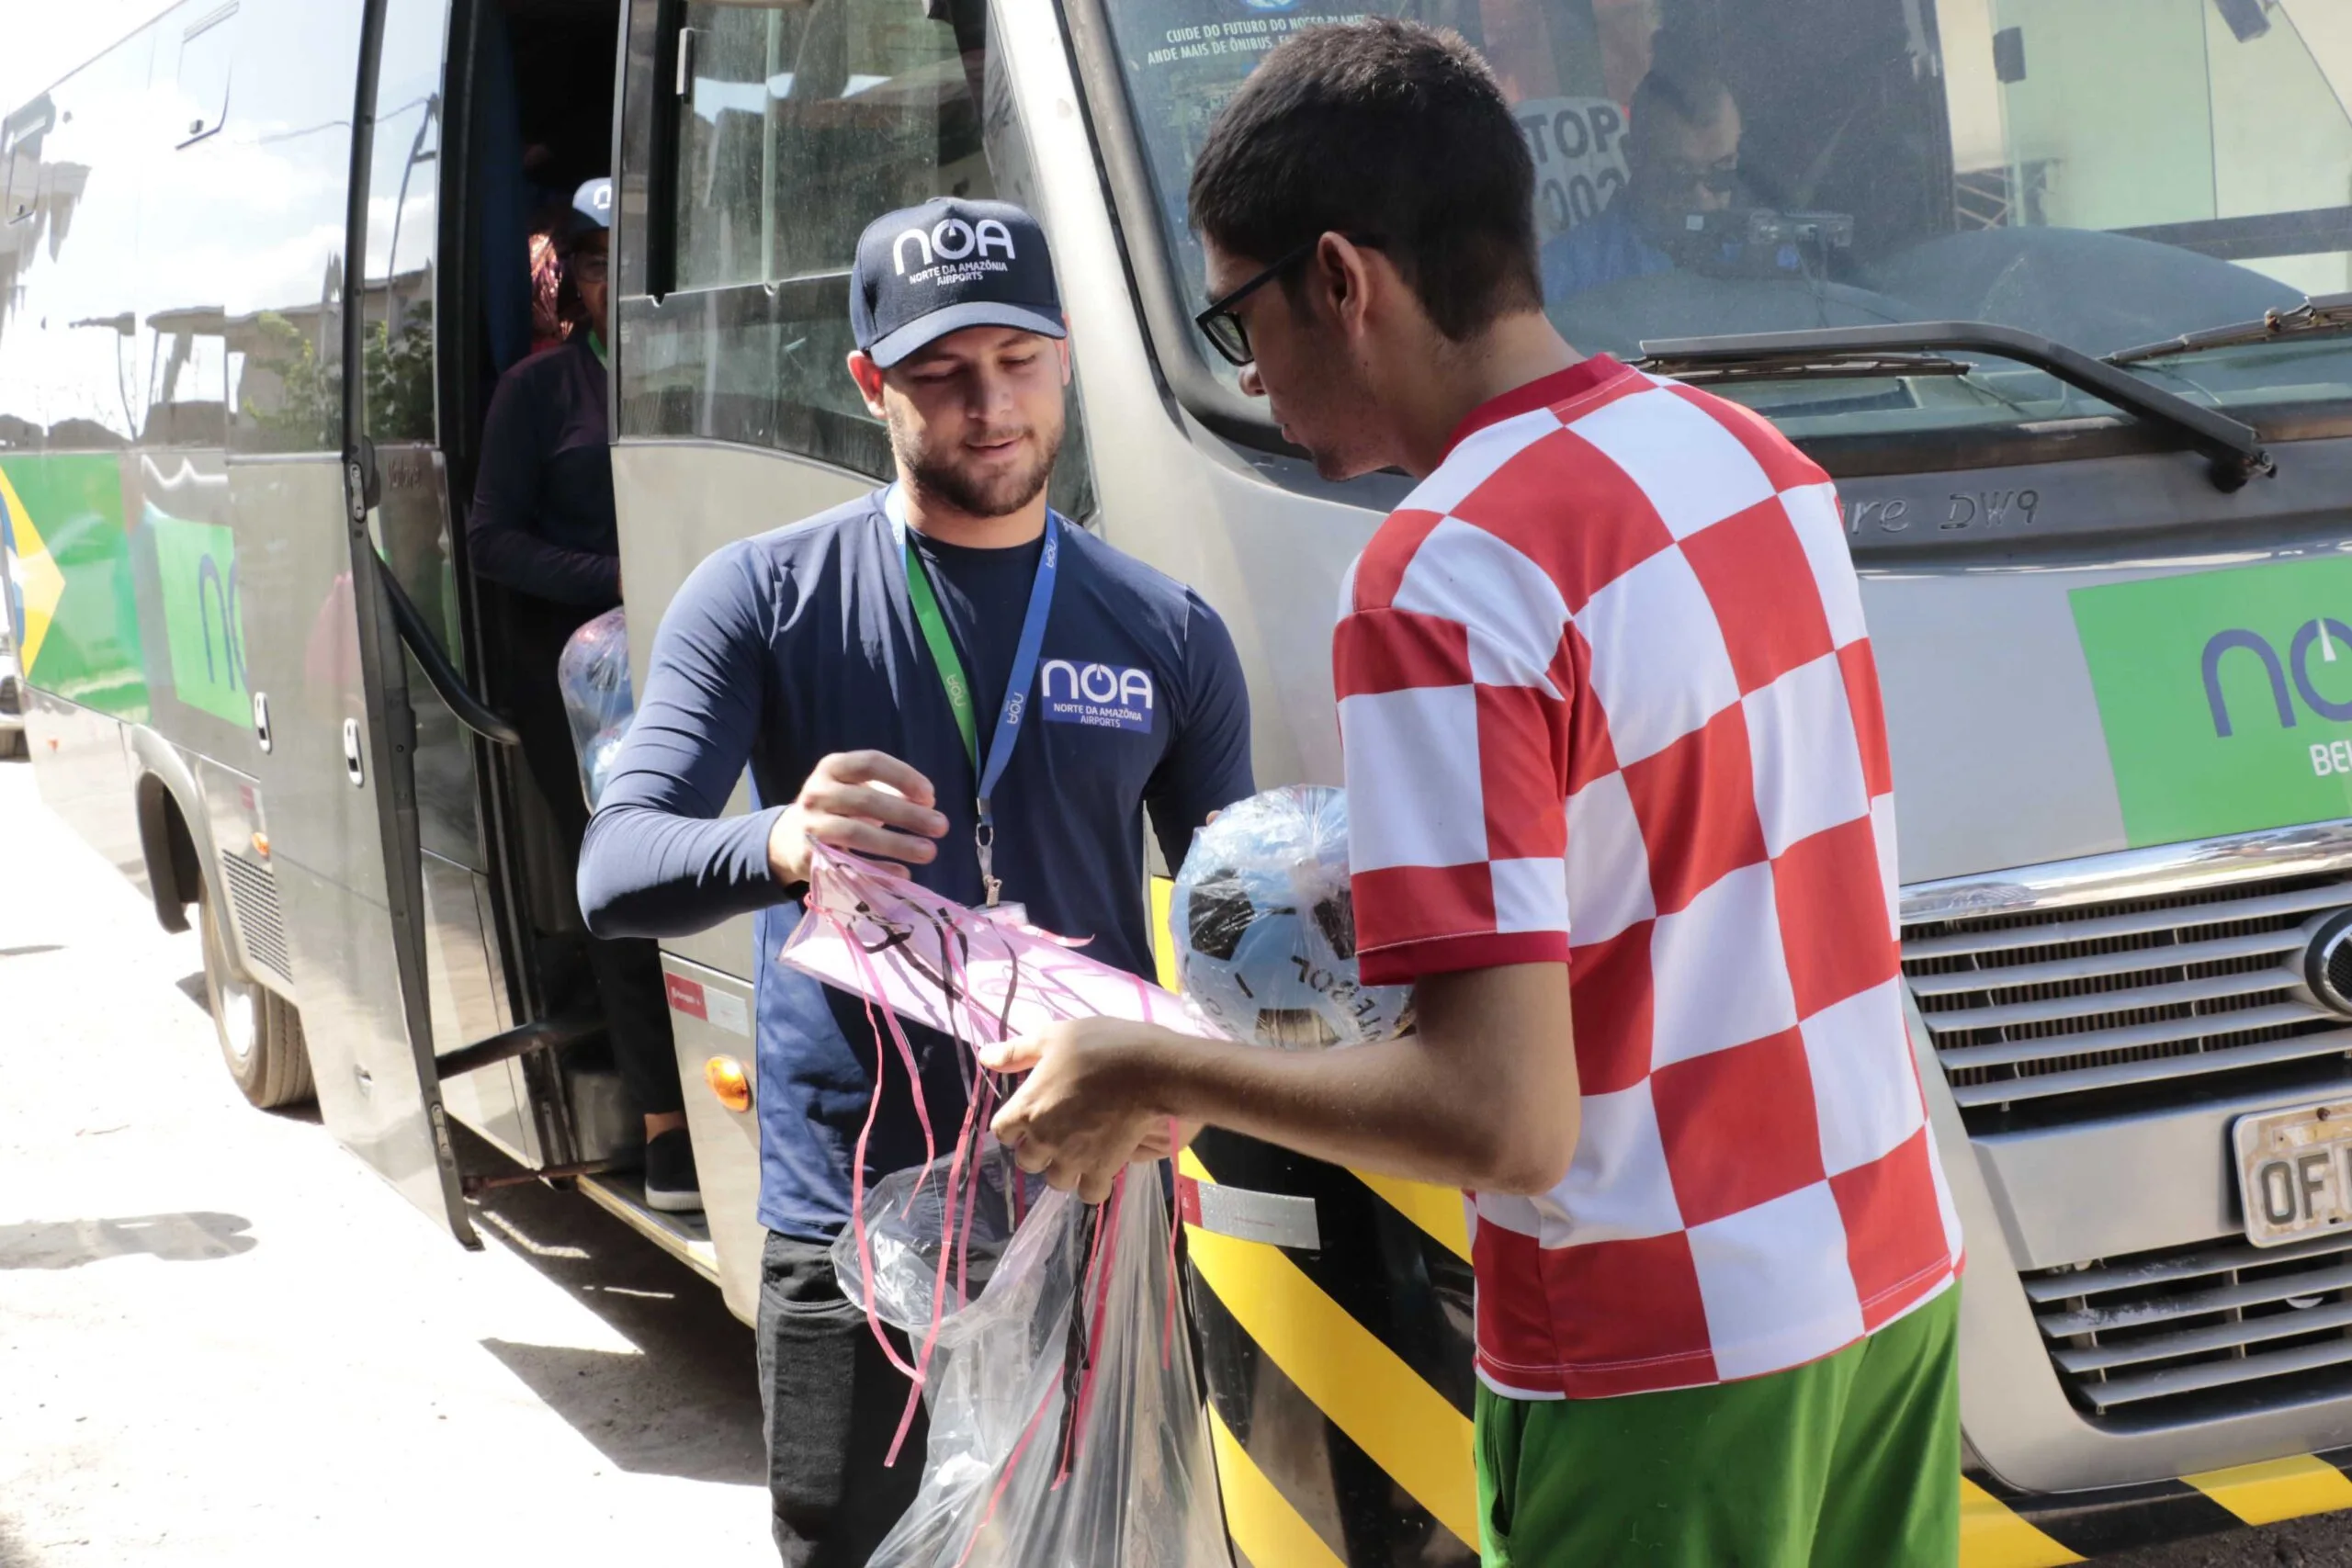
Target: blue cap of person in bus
{"x": 593, "y": 202}
{"x": 946, "y": 266}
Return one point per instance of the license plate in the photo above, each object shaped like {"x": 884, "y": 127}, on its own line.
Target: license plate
{"x": 2295, "y": 1171}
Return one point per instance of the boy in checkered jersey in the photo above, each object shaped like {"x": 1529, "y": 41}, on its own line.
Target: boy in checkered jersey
{"x": 1622, "y": 815}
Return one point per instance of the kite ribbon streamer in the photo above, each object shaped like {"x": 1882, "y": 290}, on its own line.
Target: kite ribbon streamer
{"x": 1031, "y": 1311}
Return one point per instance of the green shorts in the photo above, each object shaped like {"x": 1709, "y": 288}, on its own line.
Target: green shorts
{"x": 1852, "y": 1460}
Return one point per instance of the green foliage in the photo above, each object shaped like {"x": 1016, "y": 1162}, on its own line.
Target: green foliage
{"x": 399, "y": 377}
{"x": 304, "y": 409}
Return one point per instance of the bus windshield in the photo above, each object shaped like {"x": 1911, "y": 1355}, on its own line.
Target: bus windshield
{"x": 2108, "y": 173}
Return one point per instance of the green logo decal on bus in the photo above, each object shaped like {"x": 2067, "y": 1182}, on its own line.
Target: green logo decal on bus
{"x": 71, "y": 562}
{"x": 2226, "y": 696}
{"x": 203, "y": 618}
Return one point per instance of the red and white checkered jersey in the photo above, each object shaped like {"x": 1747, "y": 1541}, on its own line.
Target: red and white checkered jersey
{"x": 1606, "y": 699}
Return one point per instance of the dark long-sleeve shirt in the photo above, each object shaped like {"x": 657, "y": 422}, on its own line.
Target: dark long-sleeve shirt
{"x": 542, "y": 519}
{"x": 783, "y": 648}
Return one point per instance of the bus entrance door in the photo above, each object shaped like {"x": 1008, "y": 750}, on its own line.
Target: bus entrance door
{"x": 367, "y": 1003}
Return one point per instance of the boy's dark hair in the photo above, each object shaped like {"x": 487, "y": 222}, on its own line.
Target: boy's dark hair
{"x": 1386, "y": 129}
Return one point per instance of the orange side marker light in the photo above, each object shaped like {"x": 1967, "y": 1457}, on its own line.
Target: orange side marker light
{"x": 728, "y": 1082}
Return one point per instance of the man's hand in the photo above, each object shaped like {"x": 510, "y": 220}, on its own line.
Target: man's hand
{"x": 1167, "y": 1137}
{"x": 867, "y": 801}
{"x": 1084, "y": 1114}
{"x": 1485, "y": 1095}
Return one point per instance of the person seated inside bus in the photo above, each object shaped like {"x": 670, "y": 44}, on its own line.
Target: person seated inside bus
{"x": 1681, "y": 157}
{"x": 543, "y": 526}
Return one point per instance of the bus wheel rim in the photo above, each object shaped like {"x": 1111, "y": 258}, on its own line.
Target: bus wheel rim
{"x": 238, "y": 1020}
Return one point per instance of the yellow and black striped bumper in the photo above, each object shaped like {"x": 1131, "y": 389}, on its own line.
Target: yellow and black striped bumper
{"x": 1340, "y": 1395}
{"x": 2005, "y": 1529}
{"x": 1340, "y": 1376}
{"x": 1341, "y": 1390}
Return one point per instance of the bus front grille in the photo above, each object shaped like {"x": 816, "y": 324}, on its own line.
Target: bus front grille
{"x": 252, "y": 896}
{"x": 2197, "y": 1333}
{"x": 2055, "y": 1016}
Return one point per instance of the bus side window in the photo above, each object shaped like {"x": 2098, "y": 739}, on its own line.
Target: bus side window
{"x": 21, "y": 136}
{"x": 183, "y": 349}
{"x": 403, "y": 218}
{"x": 78, "y": 291}
{"x": 801, "y": 122}
{"x": 276, "y": 204}
{"x": 798, "y": 124}
{"x": 207, "y": 50}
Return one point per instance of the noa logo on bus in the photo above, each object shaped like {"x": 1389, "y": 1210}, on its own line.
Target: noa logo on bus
{"x": 2225, "y": 696}
{"x": 204, "y": 621}
{"x": 952, "y": 240}
{"x": 2325, "y": 633}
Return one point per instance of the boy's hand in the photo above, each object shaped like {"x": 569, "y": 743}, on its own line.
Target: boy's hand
{"x": 1085, "y": 1112}
{"x": 867, "y": 801}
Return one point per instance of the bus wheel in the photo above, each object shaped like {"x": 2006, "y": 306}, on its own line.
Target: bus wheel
{"x": 261, "y": 1032}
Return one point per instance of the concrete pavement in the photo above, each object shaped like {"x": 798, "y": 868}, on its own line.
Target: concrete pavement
{"x": 223, "y": 1340}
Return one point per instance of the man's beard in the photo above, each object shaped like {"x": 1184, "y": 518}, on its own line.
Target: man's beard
{"x": 975, "y": 497}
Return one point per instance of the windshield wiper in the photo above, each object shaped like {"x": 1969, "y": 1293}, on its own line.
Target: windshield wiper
{"x": 2233, "y": 449}
{"x": 2321, "y": 314}
{"x": 1797, "y": 364}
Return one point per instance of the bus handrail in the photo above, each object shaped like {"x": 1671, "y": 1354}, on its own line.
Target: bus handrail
{"x": 447, "y": 683}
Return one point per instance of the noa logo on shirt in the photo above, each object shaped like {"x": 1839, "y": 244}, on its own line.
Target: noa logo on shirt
{"x": 1105, "y": 696}
{"x": 952, "y": 240}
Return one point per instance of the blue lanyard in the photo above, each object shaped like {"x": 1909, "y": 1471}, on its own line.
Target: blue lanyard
{"x": 951, "y": 672}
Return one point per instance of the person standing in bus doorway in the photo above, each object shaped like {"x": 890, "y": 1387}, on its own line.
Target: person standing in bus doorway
{"x": 543, "y": 526}
{"x": 874, "y": 666}
{"x": 1621, "y": 812}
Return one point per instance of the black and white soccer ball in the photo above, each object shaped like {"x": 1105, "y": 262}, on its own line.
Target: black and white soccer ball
{"x": 1265, "y": 926}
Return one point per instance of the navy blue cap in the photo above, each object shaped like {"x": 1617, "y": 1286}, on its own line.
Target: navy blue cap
{"x": 946, "y": 266}
{"x": 594, "y": 201}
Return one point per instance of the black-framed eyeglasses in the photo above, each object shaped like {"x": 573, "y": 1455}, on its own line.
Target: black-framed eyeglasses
{"x": 1224, "y": 330}
{"x": 1718, "y": 178}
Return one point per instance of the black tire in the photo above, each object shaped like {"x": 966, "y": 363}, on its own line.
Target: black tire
{"x": 260, "y": 1031}
{"x": 14, "y": 746}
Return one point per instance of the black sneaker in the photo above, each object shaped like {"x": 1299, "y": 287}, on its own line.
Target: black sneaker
{"x": 670, "y": 1182}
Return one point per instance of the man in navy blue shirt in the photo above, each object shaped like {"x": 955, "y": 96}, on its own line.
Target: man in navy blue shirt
{"x": 881, "y": 668}
{"x": 1681, "y": 157}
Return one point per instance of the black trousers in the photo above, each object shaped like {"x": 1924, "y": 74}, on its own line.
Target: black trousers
{"x": 627, "y": 970}
{"x": 833, "y": 1401}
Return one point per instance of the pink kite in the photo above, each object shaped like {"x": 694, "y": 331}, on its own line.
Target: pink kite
{"x": 976, "y": 976}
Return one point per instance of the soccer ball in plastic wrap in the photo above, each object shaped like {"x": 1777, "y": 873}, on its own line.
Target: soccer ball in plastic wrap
{"x": 596, "y": 763}
{"x": 592, "y": 675}
{"x": 1265, "y": 926}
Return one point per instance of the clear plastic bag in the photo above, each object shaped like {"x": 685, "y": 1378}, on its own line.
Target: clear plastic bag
{"x": 1067, "y": 1429}
{"x": 1265, "y": 927}
{"x": 920, "y": 1249}
{"x": 598, "y": 701}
